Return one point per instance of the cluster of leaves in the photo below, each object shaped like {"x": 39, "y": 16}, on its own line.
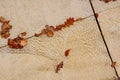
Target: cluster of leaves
{"x": 18, "y": 42}
{"x": 49, "y": 30}
{"x": 5, "y": 27}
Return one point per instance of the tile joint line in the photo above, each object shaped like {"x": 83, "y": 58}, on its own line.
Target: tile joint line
{"x": 103, "y": 38}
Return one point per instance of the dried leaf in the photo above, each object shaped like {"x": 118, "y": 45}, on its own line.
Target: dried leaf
{"x": 60, "y": 65}
{"x": 23, "y": 42}
{"x": 37, "y": 35}
{"x": 50, "y": 33}
{"x": 44, "y": 31}
{"x": 12, "y": 43}
{"x": 113, "y": 64}
{"x": 96, "y": 14}
{"x": 17, "y": 43}
{"x": 69, "y": 22}
{"x": 5, "y": 35}
{"x": 5, "y": 29}
{"x": 2, "y": 19}
{"x": 67, "y": 52}
{"x": 59, "y": 27}
{"x": 50, "y": 27}
{"x": 23, "y": 34}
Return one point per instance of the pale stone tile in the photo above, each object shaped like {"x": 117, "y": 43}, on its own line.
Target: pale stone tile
{"x": 110, "y": 24}
{"x": 88, "y": 59}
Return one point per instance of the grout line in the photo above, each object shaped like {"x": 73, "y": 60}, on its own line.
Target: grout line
{"x": 103, "y": 38}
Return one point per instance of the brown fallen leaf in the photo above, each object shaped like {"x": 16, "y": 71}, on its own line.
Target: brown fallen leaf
{"x": 60, "y": 65}
{"x": 23, "y": 42}
{"x": 37, "y": 35}
{"x": 59, "y": 27}
{"x": 23, "y": 34}
{"x": 50, "y": 33}
{"x": 18, "y": 42}
{"x": 67, "y": 52}
{"x": 5, "y": 34}
{"x": 69, "y": 22}
{"x": 2, "y": 19}
{"x": 113, "y": 64}
{"x": 96, "y": 14}
{"x": 50, "y": 27}
{"x": 5, "y": 29}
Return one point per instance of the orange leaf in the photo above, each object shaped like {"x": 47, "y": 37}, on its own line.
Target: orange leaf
{"x": 60, "y": 65}
{"x": 113, "y": 64}
{"x": 50, "y": 33}
{"x": 96, "y": 14}
{"x": 67, "y": 52}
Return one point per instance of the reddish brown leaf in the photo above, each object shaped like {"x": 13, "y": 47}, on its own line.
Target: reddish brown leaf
{"x": 17, "y": 43}
{"x": 96, "y": 14}
{"x": 50, "y": 27}
{"x": 6, "y": 26}
{"x": 37, "y": 35}
{"x": 60, "y": 65}
{"x": 5, "y": 34}
{"x": 50, "y": 33}
{"x": 2, "y": 19}
{"x": 59, "y": 27}
{"x": 67, "y": 52}
{"x": 23, "y": 42}
{"x": 5, "y": 29}
{"x": 23, "y": 34}
{"x": 69, "y": 22}
{"x": 113, "y": 64}
{"x": 44, "y": 31}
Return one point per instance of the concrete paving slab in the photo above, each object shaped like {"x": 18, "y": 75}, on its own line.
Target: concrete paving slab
{"x": 110, "y": 24}
{"x": 102, "y": 6}
{"x": 88, "y": 59}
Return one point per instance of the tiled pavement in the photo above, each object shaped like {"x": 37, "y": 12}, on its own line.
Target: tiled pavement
{"x": 88, "y": 59}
